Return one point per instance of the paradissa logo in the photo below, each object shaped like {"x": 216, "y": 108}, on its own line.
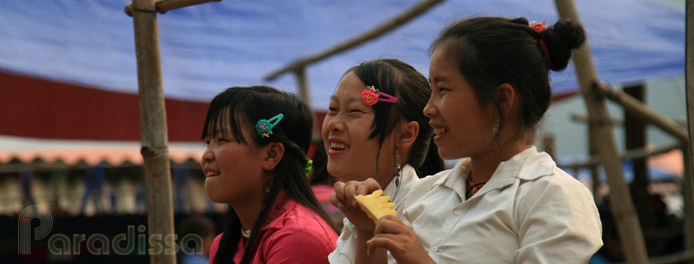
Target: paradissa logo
{"x": 98, "y": 244}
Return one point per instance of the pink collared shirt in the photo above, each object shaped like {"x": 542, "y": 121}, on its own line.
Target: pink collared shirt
{"x": 294, "y": 234}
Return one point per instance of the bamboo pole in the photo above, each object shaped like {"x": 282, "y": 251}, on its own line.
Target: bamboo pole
{"x": 642, "y": 111}
{"x": 303, "y": 86}
{"x": 630, "y": 233}
{"x": 154, "y": 138}
{"x": 688, "y": 184}
{"x": 389, "y": 25}
{"x": 166, "y": 5}
{"x": 302, "y": 81}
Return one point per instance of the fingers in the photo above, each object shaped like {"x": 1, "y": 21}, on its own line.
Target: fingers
{"x": 352, "y": 188}
{"x": 367, "y": 187}
{"x": 390, "y": 224}
{"x": 388, "y": 234}
{"x": 386, "y": 241}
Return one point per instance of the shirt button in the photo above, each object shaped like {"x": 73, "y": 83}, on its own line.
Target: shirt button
{"x": 458, "y": 212}
{"x": 434, "y": 249}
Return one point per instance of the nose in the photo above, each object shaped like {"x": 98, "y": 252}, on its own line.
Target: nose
{"x": 430, "y": 109}
{"x": 333, "y": 124}
{"x": 207, "y": 156}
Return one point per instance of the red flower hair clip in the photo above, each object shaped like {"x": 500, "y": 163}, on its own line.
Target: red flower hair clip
{"x": 371, "y": 96}
{"x": 538, "y": 26}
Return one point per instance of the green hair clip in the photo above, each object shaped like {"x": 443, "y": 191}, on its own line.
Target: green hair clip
{"x": 264, "y": 126}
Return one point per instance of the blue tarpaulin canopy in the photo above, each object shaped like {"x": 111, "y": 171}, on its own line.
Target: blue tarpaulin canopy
{"x": 208, "y": 47}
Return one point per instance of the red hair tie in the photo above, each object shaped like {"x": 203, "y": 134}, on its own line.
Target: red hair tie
{"x": 539, "y": 27}
{"x": 546, "y": 52}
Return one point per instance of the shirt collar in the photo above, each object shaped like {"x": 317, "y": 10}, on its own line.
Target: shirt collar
{"x": 526, "y": 165}
{"x": 408, "y": 177}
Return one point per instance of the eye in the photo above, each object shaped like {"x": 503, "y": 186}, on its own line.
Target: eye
{"x": 356, "y": 111}
{"x": 332, "y": 109}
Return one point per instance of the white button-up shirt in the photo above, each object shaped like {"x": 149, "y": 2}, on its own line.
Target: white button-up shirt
{"x": 529, "y": 211}
{"x": 347, "y": 242}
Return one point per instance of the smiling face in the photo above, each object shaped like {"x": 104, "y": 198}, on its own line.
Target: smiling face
{"x": 233, "y": 170}
{"x": 346, "y": 129}
{"x": 462, "y": 127}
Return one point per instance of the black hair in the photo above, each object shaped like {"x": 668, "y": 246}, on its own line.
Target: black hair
{"x": 319, "y": 172}
{"x": 491, "y": 51}
{"x": 403, "y": 81}
{"x": 243, "y": 106}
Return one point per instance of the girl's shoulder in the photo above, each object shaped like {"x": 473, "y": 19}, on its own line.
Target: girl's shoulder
{"x": 301, "y": 236}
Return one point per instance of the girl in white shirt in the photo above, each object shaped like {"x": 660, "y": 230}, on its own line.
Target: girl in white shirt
{"x": 375, "y": 129}
{"x": 503, "y": 202}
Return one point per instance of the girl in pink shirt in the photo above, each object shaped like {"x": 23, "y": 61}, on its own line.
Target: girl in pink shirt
{"x": 255, "y": 161}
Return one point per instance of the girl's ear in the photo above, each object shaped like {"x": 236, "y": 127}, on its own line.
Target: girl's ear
{"x": 506, "y": 96}
{"x": 273, "y": 155}
{"x": 410, "y": 130}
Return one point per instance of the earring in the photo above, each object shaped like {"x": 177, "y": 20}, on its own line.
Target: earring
{"x": 396, "y": 178}
{"x": 397, "y": 159}
{"x": 496, "y": 132}
{"x": 267, "y": 189}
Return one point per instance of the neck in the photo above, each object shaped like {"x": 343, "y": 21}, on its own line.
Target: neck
{"x": 248, "y": 211}
{"x": 482, "y": 167}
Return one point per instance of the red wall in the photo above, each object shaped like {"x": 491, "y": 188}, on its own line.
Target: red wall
{"x": 32, "y": 107}
{"x": 39, "y": 108}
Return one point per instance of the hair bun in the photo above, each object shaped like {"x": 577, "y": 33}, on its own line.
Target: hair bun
{"x": 560, "y": 39}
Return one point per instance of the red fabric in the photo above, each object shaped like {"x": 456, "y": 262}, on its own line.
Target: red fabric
{"x": 293, "y": 234}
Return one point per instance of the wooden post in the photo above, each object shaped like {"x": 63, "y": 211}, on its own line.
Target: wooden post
{"x": 688, "y": 183}
{"x": 162, "y": 6}
{"x": 302, "y": 80}
{"x": 593, "y": 152}
{"x": 630, "y": 233}
{"x": 635, "y": 137}
{"x": 154, "y": 138}
{"x": 305, "y": 94}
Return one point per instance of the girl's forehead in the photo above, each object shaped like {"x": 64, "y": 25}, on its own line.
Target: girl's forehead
{"x": 348, "y": 90}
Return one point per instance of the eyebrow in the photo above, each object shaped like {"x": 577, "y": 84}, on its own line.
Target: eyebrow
{"x": 354, "y": 99}
{"x": 439, "y": 79}
{"x": 349, "y": 101}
